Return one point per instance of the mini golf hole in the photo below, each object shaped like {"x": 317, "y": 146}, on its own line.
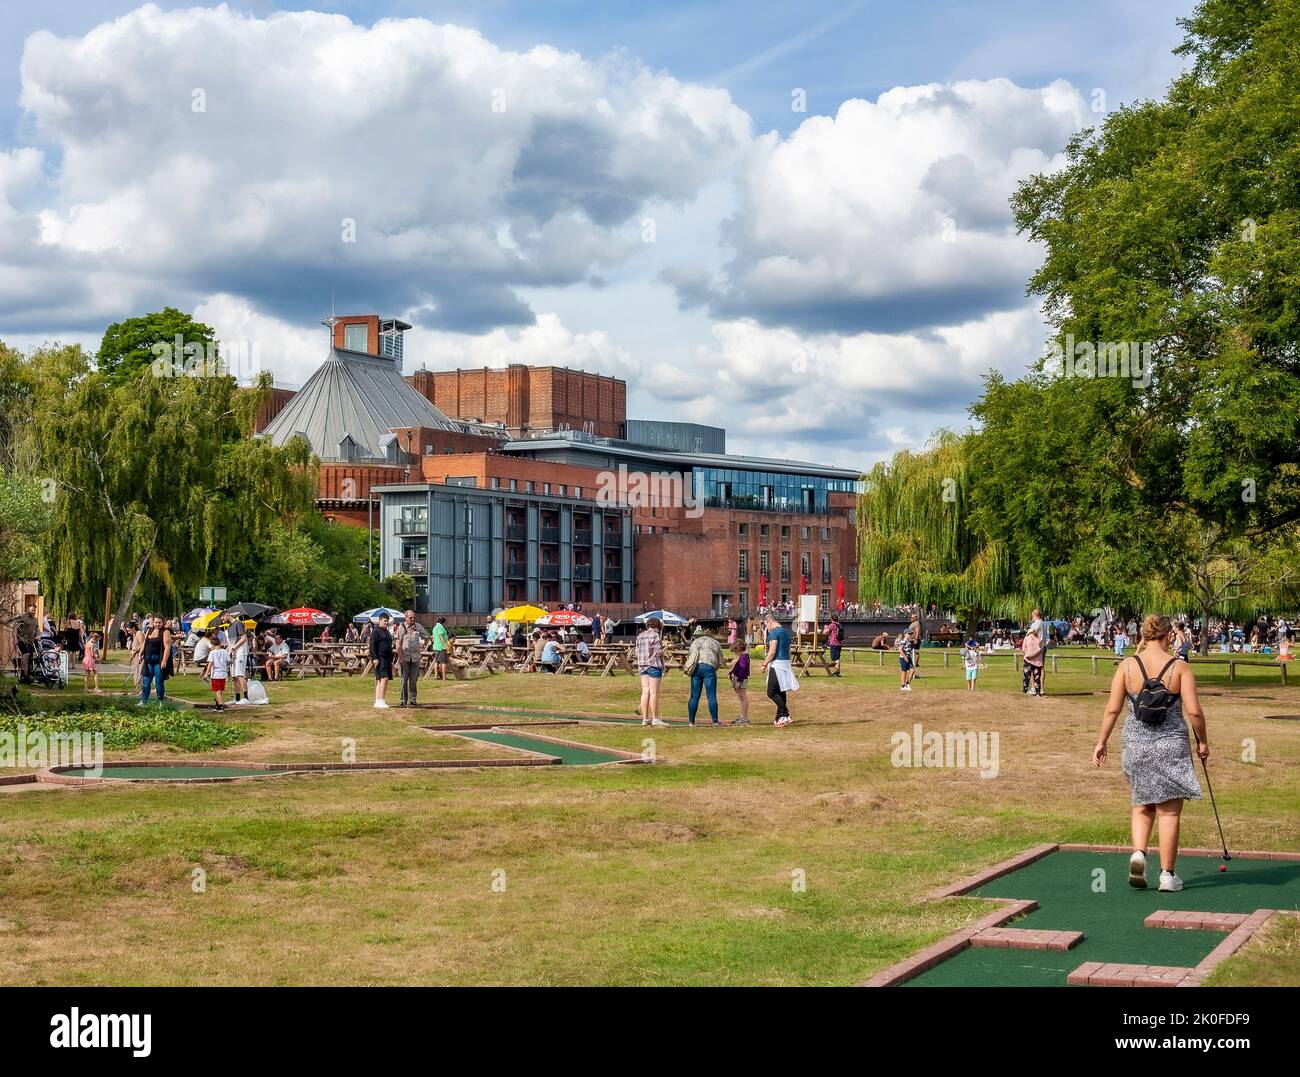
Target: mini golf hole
{"x": 1281, "y": 717}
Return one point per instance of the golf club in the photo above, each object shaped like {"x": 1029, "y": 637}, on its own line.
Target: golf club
{"x": 1222, "y": 840}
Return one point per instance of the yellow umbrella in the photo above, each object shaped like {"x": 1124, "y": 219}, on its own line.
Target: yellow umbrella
{"x": 521, "y": 615}
{"x": 213, "y": 620}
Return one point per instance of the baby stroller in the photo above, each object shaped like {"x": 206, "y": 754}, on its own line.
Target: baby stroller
{"x": 46, "y": 667}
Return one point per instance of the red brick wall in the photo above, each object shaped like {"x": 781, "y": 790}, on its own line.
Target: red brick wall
{"x": 528, "y": 398}
{"x": 272, "y": 407}
{"x": 685, "y": 567}
{"x": 372, "y": 335}
{"x": 352, "y": 482}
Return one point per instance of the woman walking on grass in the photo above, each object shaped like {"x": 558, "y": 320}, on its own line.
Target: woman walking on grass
{"x": 702, "y": 664}
{"x": 650, "y": 665}
{"x": 1032, "y": 649}
{"x": 1156, "y": 758}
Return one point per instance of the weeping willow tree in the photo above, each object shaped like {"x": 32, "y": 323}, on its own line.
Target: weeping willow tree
{"x": 918, "y": 539}
{"x": 156, "y": 481}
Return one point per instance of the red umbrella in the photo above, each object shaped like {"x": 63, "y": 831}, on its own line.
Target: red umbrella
{"x": 564, "y": 618}
{"x": 762, "y": 591}
{"x": 839, "y": 594}
{"x": 302, "y": 616}
{"x": 803, "y": 585}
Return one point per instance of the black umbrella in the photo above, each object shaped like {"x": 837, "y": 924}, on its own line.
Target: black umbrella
{"x": 249, "y": 611}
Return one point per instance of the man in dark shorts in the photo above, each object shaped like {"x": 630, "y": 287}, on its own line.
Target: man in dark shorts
{"x": 25, "y": 629}
{"x": 381, "y": 651}
{"x": 914, "y": 633}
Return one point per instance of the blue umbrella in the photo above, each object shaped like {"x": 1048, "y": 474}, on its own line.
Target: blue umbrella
{"x": 669, "y": 619}
{"x": 373, "y": 615}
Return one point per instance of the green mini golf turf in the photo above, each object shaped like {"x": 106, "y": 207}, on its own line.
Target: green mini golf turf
{"x": 1111, "y": 921}
{"x": 562, "y": 716}
{"x": 581, "y": 757}
{"x": 167, "y": 773}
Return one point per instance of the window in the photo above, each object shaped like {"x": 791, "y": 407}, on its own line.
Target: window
{"x": 356, "y": 338}
{"x": 826, "y": 568}
{"x": 805, "y": 565}
{"x": 513, "y": 486}
{"x": 546, "y": 487}
{"x": 764, "y": 564}
{"x": 805, "y": 533}
{"x": 528, "y": 486}
{"x": 826, "y": 534}
{"x": 785, "y": 595}
{"x": 826, "y": 599}
{"x": 785, "y": 566}
{"x": 785, "y": 532}
{"x": 577, "y": 491}
{"x": 762, "y": 531}
{"x": 744, "y": 565}
{"x": 853, "y": 573}
{"x": 496, "y": 483}
{"x": 744, "y": 599}
{"x": 742, "y": 530}
{"x": 562, "y": 489}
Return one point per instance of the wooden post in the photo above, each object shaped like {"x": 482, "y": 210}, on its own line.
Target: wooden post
{"x": 1053, "y": 665}
{"x": 882, "y": 659}
{"x": 1094, "y": 665}
{"x": 1232, "y": 671}
{"x": 945, "y": 655}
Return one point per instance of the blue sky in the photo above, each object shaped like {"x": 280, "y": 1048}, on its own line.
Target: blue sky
{"x": 828, "y": 283}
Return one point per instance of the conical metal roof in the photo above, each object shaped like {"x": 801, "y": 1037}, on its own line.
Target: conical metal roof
{"x": 354, "y": 396}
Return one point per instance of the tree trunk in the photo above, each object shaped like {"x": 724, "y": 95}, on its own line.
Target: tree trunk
{"x": 1205, "y": 625}
{"x": 129, "y": 593}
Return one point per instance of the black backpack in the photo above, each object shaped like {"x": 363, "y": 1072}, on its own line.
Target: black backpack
{"x": 1154, "y": 701}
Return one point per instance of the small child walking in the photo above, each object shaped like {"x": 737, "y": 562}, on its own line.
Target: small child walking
{"x": 217, "y": 668}
{"x": 740, "y": 681}
{"x": 906, "y": 668}
{"x": 90, "y": 662}
{"x": 970, "y": 660}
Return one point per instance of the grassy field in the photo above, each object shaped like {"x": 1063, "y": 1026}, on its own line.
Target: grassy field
{"x": 680, "y": 873}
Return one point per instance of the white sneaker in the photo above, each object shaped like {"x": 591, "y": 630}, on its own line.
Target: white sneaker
{"x": 906, "y": 688}
{"x": 658, "y": 722}
{"x": 1169, "y": 882}
{"x": 1137, "y": 870}
{"x": 381, "y": 705}
{"x": 785, "y": 719}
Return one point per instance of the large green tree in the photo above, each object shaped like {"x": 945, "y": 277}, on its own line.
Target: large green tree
{"x": 1174, "y": 225}
{"x": 135, "y": 344}
{"x": 157, "y": 478}
{"x": 919, "y": 538}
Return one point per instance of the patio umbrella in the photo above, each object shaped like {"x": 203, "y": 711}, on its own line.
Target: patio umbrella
{"x": 521, "y": 615}
{"x": 669, "y": 619}
{"x": 373, "y": 615}
{"x": 206, "y": 621}
{"x": 762, "y": 591}
{"x": 803, "y": 585}
{"x": 196, "y": 613}
{"x": 839, "y": 594}
{"x": 301, "y": 617}
{"x": 566, "y": 619}
{"x": 249, "y": 611}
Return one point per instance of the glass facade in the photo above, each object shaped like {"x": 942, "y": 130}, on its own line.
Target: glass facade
{"x": 773, "y": 491}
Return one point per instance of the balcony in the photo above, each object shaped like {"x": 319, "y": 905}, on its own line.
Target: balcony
{"x": 582, "y": 573}
{"x": 516, "y": 532}
{"x": 413, "y": 566}
{"x": 516, "y": 570}
{"x": 550, "y": 572}
{"x": 582, "y": 536}
{"x": 411, "y": 527}
{"x": 550, "y": 534}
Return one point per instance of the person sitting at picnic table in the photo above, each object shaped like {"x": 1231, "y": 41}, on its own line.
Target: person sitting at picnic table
{"x": 584, "y": 652}
{"x": 201, "y": 648}
{"x": 325, "y": 635}
{"x": 519, "y": 639}
{"x": 551, "y": 657}
{"x": 277, "y": 657}
{"x": 351, "y": 635}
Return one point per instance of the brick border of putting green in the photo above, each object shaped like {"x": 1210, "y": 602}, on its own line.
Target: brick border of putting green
{"x": 950, "y": 945}
{"x": 993, "y": 932}
{"x": 54, "y": 775}
{"x": 18, "y": 779}
{"x": 490, "y": 709}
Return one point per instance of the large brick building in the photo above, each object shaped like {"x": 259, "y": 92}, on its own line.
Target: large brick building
{"x": 530, "y": 484}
